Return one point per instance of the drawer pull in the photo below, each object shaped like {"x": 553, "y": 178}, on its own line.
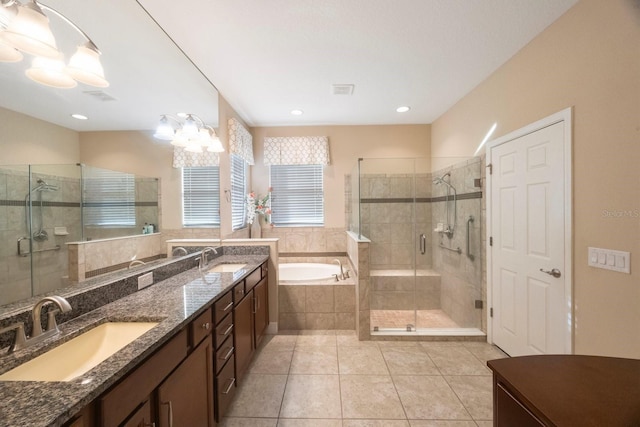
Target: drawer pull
{"x": 255, "y": 305}
{"x": 228, "y": 306}
{"x": 240, "y": 291}
{"x": 233, "y": 381}
{"x": 229, "y": 329}
{"x": 206, "y": 326}
{"x": 228, "y": 355}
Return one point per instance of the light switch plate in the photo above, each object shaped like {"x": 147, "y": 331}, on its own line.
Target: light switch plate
{"x": 610, "y": 259}
{"x": 145, "y": 280}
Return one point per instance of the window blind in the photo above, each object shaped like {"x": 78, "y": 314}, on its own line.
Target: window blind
{"x": 109, "y": 198}
{"x": 238, "y": 192}
{"x": 201, "y": 196}
{"x": 297, "y": 196}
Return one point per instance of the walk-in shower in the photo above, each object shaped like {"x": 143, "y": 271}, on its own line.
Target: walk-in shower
{"x": 423, "y": 278}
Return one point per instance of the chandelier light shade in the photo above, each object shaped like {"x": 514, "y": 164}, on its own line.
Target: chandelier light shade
{"x": 193, "y": 134}
{"x": 50, "y": 72}
{"x": 9, "y": 53}
{"x": 24, "y": 28}
{"x": 29, "y": 32}
{"x": 85, "y": 67}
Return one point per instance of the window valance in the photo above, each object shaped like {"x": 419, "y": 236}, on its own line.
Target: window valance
{"x": 186, "y": 159}
{"x": 296, "y": 150}
{"x": 240, "y": 141}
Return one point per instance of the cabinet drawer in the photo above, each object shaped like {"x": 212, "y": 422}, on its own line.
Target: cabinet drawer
{"x": 222, "y": 307}
{"x": 224, "y": 354}
{"x": 225, "y": 389}
{"x": 124, "y": 398}
{"x": 201, "y": 327}
{"x": 253, "y": 279}
{"x": 223, "y": 331}
{"x": 238, "y": 292}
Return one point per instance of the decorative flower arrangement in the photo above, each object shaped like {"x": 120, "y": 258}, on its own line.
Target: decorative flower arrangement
{"x": 258, "y": 206}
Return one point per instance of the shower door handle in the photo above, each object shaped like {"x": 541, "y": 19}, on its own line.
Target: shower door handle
{"x": 423, "y": 243}
{"x": 469, "y": 221}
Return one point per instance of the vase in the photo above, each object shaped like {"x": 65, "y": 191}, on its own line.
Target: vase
{"x": 255, "y": 232}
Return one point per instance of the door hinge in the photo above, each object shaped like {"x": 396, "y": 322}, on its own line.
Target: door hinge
{"x": 491, "y": 312}
{"x": 491, "y": 241}
{"x": 490, "y": 166}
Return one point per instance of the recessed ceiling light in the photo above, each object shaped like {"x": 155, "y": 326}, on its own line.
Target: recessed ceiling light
{"x": 297, "y": 112}
{"x": 79, "y": 117}
{"x": 403, "y": 109}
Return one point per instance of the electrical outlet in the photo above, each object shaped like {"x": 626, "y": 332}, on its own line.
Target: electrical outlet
{"x": 145, "y": 280}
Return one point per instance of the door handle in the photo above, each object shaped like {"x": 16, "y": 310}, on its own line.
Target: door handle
{"x": 555, "y": 272}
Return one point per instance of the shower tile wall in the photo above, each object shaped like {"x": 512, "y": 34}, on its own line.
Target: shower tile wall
{"x": 60, "y": 209}
{"x": 461, "y": 274}
{"x": 388, "y": 214}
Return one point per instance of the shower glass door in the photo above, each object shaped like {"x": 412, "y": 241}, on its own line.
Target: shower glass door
{"x": 388, "y": 206}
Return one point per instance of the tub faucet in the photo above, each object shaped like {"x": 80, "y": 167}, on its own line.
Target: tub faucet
{"x": 203, "y": 256}
{"x": 136, "y": 262}
{"x": 341, "y": 275}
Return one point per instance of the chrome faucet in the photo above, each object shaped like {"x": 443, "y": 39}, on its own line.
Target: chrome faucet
{"x": 37, "y": 335}
{"x": 179, "y": 251}
{"x": 203, "y": 256}
{"x": 341, "y": 275}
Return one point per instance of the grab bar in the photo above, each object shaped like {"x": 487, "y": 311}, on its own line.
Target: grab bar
{"x": 458, "y": 250}
{"x": 25, "y": 254}
{"x": 423, "y": 244}
{"x": 469, "y": 221}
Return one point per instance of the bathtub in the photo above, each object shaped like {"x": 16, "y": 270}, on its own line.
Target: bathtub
{"x": 297, "y": 273}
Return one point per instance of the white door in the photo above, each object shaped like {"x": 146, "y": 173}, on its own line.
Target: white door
{"x": 530, "y": 277}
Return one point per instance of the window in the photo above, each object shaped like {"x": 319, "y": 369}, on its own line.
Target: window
{"x": 201, "y": 196}
{"x": 297, "y": 197}
{"x": 238, "y": 192}
{"x": 109, "y": 198}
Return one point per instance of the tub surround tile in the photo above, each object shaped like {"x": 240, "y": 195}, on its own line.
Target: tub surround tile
{"x": 345, "y": 320}
{"x": 319, "y": 299}
{"x": 320, "y": 320}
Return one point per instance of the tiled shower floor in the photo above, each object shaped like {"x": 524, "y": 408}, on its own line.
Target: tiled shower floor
{"x": 421, "y": 319}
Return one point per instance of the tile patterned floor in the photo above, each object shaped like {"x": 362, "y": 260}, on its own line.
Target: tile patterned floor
{"x": 330, "y": 379}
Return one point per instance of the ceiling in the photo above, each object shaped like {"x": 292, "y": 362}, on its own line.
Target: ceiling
{"x": 270, "y": 57}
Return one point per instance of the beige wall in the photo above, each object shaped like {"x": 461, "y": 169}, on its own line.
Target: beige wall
{"x": 589, "y": 59}
{"x": 347, "y": 144}
{"x": 27, "y": 140}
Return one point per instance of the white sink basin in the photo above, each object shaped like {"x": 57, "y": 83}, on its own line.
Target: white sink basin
{"x": 79, "y": 355}
{"x": 227, "y": 268}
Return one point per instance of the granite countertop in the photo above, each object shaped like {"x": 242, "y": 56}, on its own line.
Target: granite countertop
{"x": 173, "y": 303}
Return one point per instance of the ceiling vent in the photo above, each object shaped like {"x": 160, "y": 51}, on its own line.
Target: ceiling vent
{"x": 342, "y": 89}
{"x": 102, "y": 96}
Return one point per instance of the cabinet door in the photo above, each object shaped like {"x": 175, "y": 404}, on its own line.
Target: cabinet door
{"x": 141, "y": 417}
{"x": 186, "y": 396}
{"x": 261, "y": 310}
{"x": 243, "y": 333}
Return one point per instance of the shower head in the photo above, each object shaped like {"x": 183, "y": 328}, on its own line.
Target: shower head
{"x": 439, "y": 180}
{"x": 43, "y": 186}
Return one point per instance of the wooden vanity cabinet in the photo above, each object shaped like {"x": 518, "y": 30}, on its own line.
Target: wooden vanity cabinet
{"x": 185, "y": 398}
{"x": 244, "y": 342}
{"x": 224, "y": 384}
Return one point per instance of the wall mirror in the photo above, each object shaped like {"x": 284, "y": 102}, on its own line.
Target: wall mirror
{"x": 148, "y": 76}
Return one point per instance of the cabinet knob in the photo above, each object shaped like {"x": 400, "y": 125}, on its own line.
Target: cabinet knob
{"x": 206, "y": 326}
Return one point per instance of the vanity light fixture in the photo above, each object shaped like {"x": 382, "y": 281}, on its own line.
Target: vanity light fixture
{"x": 192, "y": 134}
{"x": 403, "y": 109}
{"x": 25, "y": 28}
{"x": 297, "y": 112}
